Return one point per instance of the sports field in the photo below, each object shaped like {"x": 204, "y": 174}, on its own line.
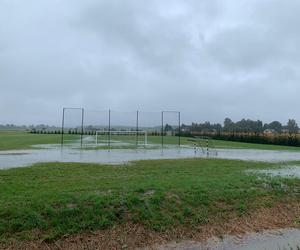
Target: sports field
{"x": 137, "y": 204}
{"x": 23, "y": 140}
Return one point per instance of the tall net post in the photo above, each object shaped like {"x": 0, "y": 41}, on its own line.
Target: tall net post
{"x": 162, "y": 128}
{"x": 109, "y": 128}
{"x": 82, "y": 120}
{"x": 179, "y": 129}
{"x": 137, "y": 129}
{"x": 62, "y": 127}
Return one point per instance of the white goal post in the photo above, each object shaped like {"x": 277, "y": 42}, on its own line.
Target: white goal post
{"x": 106, "y": 135}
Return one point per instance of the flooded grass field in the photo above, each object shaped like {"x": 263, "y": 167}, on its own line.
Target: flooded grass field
{"x": 67, "y": 190}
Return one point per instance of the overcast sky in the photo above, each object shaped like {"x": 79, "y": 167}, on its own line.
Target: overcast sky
{"x": 209, "y": 59}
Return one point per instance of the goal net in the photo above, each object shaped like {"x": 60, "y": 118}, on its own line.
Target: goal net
{"x": 121, "y": 137}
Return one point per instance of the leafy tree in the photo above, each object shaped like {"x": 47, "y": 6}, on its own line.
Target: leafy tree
{"x": 228, "y": 125}
{"x": 276, "y": 125}
{"x": 168, "y": 128}
{"x": 292, "y": 126}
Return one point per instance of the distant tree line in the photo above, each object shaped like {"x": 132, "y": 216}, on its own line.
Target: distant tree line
{"x": 42, "y": 127}
{"x": 244, "y": 126}
{"x": 12, "y": 127}
{"x": 247, "y": 130}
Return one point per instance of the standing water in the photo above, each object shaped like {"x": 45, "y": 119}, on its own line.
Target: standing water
{"x": 55, "y": 153}
{"x": 287, "y": 239}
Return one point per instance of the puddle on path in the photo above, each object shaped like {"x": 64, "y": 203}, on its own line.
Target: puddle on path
{"x": 270, "y": 240}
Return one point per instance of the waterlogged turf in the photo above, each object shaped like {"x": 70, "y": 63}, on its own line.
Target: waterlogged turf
{"x": 58, "y": 199}
{"x": 55, "y": 153}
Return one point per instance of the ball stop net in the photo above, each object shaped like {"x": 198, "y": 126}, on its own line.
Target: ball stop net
{"x": 110, "y": 128}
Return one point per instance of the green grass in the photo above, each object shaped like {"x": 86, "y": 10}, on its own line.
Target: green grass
{"x": 65, "y": 198}
{"x": 22, "y": 140}
{"x": 222, "y": 144}
{"x": 243, "y": 145}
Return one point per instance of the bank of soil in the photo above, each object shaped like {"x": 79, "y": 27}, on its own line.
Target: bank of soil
{"x": 135, "y": 236}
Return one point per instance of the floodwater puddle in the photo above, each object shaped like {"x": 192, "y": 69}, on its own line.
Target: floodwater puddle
{"x": 73, "y": 153}
{"x": 259, "y": 155}
{"x": 12, "y": 153}
{"x": 23, "y": 158}
{"x": 269, "y": 240}
{"x": 285, "y": 171}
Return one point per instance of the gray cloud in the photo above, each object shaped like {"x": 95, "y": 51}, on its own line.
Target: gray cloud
{"x": 209, "y": 59}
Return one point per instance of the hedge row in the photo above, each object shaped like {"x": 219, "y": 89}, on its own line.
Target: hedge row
{"x": 78, "y": 132}
{"x": 274, "y": 139}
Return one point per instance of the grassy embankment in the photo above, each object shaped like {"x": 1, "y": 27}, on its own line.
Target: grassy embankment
{"x": 57, "y": 199}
